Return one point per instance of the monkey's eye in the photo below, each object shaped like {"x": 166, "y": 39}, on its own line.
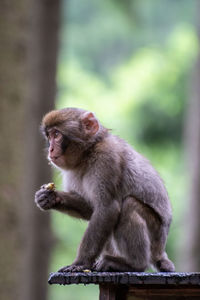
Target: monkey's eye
{"x": 57, "y": 134}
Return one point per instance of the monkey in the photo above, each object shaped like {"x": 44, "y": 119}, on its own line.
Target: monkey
{"x": 107, "y": 183}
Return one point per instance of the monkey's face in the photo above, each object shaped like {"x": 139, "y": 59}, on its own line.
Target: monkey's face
{"x": 70, "y": 133}
{"x": 57, "y": 145}
{"x": 64, "y": 151}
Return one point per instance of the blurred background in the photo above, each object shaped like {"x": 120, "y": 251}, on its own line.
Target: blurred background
{"x": 134, "y": 63}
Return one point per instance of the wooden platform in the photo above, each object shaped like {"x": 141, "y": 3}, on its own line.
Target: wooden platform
{"x": 131, "y": 285}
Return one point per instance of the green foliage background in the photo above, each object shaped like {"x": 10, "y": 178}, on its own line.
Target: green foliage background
{"x": 129, "y": 62}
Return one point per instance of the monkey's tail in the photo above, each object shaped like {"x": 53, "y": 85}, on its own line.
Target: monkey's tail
{"x": 164, "y": 264}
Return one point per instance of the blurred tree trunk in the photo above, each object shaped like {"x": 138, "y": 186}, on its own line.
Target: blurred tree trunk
{"x": 192, "y": 224}
{"x": 28, "y": 51}
{"x": 12, "y": 89}
{"x": 42, "y": 54}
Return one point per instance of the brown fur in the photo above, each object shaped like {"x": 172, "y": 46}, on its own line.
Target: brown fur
{"x": 108, "y": 183}
{"x": 56, "y": 117}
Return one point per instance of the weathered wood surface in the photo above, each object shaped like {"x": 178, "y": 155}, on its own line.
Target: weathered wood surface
{"x": 136, "y": 286}
{"x": 127, "y": 278}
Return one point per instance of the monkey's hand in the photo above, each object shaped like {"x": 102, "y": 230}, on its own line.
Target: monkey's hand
{"x": 75, "y": 268}
{"x": 46, "y": 198}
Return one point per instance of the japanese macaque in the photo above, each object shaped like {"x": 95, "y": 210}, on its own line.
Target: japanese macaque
{"x": 109, "y": 184}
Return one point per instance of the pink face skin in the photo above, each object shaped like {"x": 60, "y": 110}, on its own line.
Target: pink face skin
{"x": 55, "y": 154}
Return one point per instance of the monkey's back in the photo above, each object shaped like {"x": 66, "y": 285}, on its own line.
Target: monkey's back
{"x": 140, "y": 180}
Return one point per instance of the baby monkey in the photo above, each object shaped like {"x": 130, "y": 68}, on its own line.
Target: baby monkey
{"x": 109, "y": 184}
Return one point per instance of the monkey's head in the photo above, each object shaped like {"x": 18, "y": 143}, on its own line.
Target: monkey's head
{"x": 70, "y": 132}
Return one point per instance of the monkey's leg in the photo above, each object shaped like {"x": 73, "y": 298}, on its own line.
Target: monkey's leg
{"x": 129, "y": 249}
{"x": 132, "y": 237}
{"x": 112, "y": 263}
{"x": 159, "y": 257}
{"x": 164, "y": 264}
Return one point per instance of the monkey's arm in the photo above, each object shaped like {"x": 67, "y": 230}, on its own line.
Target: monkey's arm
{"x": 70, "y": 203}
{"x": 102, "y": 222}
{"x": 103, "y": 178}
{"x": 100, "y": 227}
{"x": 73, "y": 204}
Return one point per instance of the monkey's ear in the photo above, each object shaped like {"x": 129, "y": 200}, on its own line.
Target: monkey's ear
{"x": 90, "y": 123}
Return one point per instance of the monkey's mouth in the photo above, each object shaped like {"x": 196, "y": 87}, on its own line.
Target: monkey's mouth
{"x": 54, "y": 158}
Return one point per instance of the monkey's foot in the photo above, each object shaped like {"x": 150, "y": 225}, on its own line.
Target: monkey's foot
{"x": 74, "y": 268}
{"x": 113, "y": 264}
{"x": 103, "y": 266}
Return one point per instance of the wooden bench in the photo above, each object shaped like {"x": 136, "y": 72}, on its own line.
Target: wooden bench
{"x": 133, "y": 286}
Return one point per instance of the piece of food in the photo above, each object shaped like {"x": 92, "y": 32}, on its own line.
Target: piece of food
{"x": 50, "y": 186}
{"x": 87, "y": 271}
